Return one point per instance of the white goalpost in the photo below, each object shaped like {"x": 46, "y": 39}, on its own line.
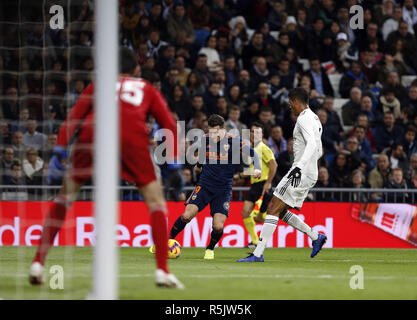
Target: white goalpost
{"x": 106, "y": 176}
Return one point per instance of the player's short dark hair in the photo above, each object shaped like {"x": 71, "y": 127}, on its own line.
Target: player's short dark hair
{"x": 215, "y": 120}
{"x": 299, "y": 94}
{"x": 258, "y": 125}
{"x": 127, "y": 61}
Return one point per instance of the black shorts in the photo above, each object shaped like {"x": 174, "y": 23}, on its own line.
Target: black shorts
{"x": 255, "y": 193}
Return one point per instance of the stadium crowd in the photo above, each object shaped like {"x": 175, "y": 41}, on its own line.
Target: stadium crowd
{"x": 236, "y": 58}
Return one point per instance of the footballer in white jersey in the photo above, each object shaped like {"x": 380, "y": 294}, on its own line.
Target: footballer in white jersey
{"x": 295, "y": 185}
{"x": 307, "y": 151}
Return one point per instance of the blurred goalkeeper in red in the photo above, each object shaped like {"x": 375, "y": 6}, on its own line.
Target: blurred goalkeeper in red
{"x": 137, "y": 99}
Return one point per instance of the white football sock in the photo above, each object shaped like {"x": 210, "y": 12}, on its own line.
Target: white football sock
{"x": 294, "y": 221}
{"x": 268, "y": 229}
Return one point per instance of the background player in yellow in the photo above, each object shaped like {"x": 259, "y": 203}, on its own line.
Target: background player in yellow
{"x": 259, "y": 187}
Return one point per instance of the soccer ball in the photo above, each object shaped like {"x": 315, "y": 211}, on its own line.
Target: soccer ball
{"x": 174, "y": 249}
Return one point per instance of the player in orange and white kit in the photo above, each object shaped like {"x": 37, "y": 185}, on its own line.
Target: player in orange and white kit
{"x": 137, "y": 99}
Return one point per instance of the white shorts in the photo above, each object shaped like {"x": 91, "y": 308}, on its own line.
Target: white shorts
{"x": 294, "y": 197}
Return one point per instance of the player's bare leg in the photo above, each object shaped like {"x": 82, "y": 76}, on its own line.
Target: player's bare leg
{"x": 216, "y": 234}
{"x": 53, "y": 222}
{"x": 250, "y": 222}
{"x": 152, "y": 193}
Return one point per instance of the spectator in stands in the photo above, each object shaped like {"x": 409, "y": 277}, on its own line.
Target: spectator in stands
{"x": 276, "y": 51}
{"x": 276, "y": 16}
{"x": 222, "y": 107}
{"x": 367, "y": 108}
{"x": 368, "y": 67}
{"x": 210, "y": 97}
{"x": 199, "y": 14}
{"x": 333, "y": 119}
{"x": 194, "y": 84}
{"x": 397, "y": 181}
{"x": 21, "y": 123}
{"x": 170, "y": 81}
{"x": 332, "y": 141}
{"x": 313, "y": 37}
{"x": 231, "y": 71}
{"x": 32, "y": 167}
{"x": 266, "y": 118}
{"x": 339, "y": 171}
{"x": 408, "y": 43}
{"x": 379, "y": 175}
{"x": 264, "y": 97}
{"x": 285, "y": 161}
{"x": 50, "y": 124}
{"x": 411, "y": 98}
{"x": 397, "y": 157}
{"x": 10, "y": 104}
{"x": 345, "y": 52}
{"x": 276, "y": 141}
{"x": 409, "y": 12}
{"x": 239, "y": 34}
{"x": 155, "y": 43}
{"x": 77, "y": 87}
{"x": 213, "y": 58}
{"x": 179, "y": 26}
{"x": 351, "y": 108}
{"x": 344, "y": 22}
{"x": 235, "y": 98}
{"x": 391, "y": 23}
{"x": 244, "y": 83}
{"x": 412, "y": 172}
{"x": 251, "y": 113}
{"x": 165, "y": 60}
{"x": 353, "y": 78}
{"x": 286, "y": 75}
{"x": 17, "y": 144}
{"x": 355, "y": 158}
{"x": 387, "y": 133}
{"x": 188, "y": 181}
{"x": 391, "y": 63}
{"x": 323, "y": 182}
{"x": 288, "y": 124}
{"x": 5, "y": 133}
{"x": 47, "y": 151}
{"x": 6, "y": 162}
{"x": 259, "y": 72}
{"x": 357, "y": 180}
{"x": 198, "y": 120}
{"x": 33, "y": 138}
{"x": 364, "y": 144}
{"x": 233, "y": 126}
{"x": 201, "y": 69}
{"x": 256, "y": 48}
{"x": 15, "y": 177}
{"x": 388, "y": 102}
{"x": 180, "y": 104}
{"x": 409, "y": 142}
{"x": 319, "y": 79}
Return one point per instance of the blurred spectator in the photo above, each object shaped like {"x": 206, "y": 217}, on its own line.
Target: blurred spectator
{"x": 276, "y": 51}
{"x": 393, "y": 81}
{"x": 288, "y": 124}
{"x": 251, "y": 113}
{"x": 5, "y": 133}
{"x": 411, "y": 99}
{"x": 285, "y": 160}
{"x": 355, "y": 158}
{"x": 33, "y": 138}
{"x": 17, "y": 144}
{"x": 339, "y": 171}
{"x": 391, "y": 23}
{"x": 378, "y": 177}
{"x": 391, "y": 63}
{"x": 50, "y": 124}
{"x": 165, "y": 60}
{"x": 351, "y": 108}
{"x": 47, "y": 151}
{"x": 369, "y": 68}
{"x": 333, "y": 119}
{"x": 353, "y": 78}
{"x": 235, "y": 98}
{"x": 256, "y": 48}
{"x": 412, "y": 173}
{"x": 319, "y": 79}
{"x": 397, "y": 181}
{"x": 194, "y": 84}
{"x": 222, "y": 107}
{"x": 387, "y": 133}
{"x": 201, "y": 69}
{"x": 10, "y": 104}
{"x": 56, "y": 170}
{"x": 6, "y": 162}
{"x": 244, "y": 83}
{"x": 389, "y": 103}
{"x": 210, "y": 97}
{"x": 155, "y": 43}
{"x": 179, "y": 26}
{"x": 197, "y": 104}
{"x": 213, "y": 58}
{"x": 409, "y": 142}
{"x": 183, "y": 72}
{"x": 332, "y": 141}
{"x": 199, "y": 14}
{"x": 266, "y": 118}
{"x": 15, "y": 177}
{"x": 179, "y": 103}
{"x": 169, "y": 82}
{"x": 276, "y": 141}
{"x": 259, "y": 72}
{"x": 156, "y": 20}
{"x": 276, "y": 16}
{"x": 231, "y": 71}
{"x": 233, "y": 126}
{"x": 367, "y": 108}
{"x": 21, "y": 123}
{"x": 323, "y": 182}
{"x": 286, "y": 75}
{"x": 188, "y": 181}
{"x": 409, "y": 12}
{"x": 357, "y": 180}
{"x": 397, "y": 157}
{"x": 32, "y": 167}
{"x": 364, "y": 144}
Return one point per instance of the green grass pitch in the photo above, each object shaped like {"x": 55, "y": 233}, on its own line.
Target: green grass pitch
{"x": 287, "y": 273}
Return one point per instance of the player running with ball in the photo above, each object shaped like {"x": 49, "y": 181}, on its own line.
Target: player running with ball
{"x": 294, "y": 187}
{"x": 220, "y": 156}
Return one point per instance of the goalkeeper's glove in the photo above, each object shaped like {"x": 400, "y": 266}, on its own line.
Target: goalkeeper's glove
{"x": 295, "y": 177}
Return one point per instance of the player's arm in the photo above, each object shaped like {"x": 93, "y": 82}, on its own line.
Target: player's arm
{"x": 160, "y": 110}
{"x": 77, "y": 114}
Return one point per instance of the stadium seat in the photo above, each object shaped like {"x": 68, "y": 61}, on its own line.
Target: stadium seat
{"x": 337, "y": 106}
{"x": 335, "y": 81}
{"x": 406, "y": 80}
